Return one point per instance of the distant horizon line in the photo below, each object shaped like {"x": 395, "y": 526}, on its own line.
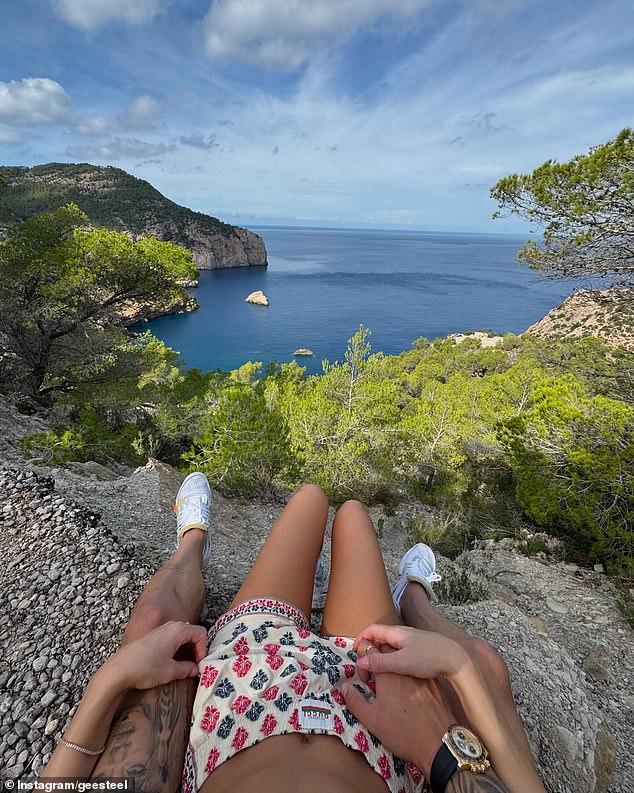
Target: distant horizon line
{"x": 302, "y": 227}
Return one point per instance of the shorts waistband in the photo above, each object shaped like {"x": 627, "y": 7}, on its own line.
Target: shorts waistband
{"x": 275, "y": 606}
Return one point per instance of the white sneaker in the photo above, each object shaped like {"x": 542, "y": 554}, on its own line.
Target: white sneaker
{"x": 193, "y": 502}
{"x": 418, "y": 564}
{"x": 320, "y": 587}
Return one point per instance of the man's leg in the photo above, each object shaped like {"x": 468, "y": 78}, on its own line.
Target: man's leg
{"x": 149, "y": 735}
{"x": 418, "y": 612}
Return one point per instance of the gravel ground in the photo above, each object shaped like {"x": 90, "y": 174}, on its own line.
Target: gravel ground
{"x": 79, "y": 546}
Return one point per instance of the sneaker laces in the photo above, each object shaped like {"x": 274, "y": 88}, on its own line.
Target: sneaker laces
{"x": 192, "y": 509}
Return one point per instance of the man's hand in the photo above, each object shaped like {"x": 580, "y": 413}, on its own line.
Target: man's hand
{"x": 409, "y": 716}
{"x": 150, "y": 661}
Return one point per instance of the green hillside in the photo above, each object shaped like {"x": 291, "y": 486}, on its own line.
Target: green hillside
{"x": 109, "y": 196}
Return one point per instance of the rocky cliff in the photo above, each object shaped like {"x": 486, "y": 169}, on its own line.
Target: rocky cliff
{"x": 606, "y": 313}
{"x": 115, "y": 199}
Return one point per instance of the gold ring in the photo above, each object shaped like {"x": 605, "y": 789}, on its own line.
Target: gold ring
{"x": 368, "y": 648}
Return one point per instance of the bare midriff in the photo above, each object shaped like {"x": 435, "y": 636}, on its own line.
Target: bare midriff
{"x": 288, "y": 763}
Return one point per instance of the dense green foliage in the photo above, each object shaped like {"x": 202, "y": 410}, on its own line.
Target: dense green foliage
{"x": 572, "y": 453}
{"x": 63, "y": 288}
{"x": 109, "y": 196}
{"x": 586, "y": 208}
{"x": 462, "y": 428}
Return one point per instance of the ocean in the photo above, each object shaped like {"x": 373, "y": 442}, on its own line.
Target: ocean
{"x": 323, "y": 283}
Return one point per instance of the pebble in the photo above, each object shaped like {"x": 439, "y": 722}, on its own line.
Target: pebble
{"x": 40, "y": 663}
{"x": 21, "y": 729}
{"x": 51, "y": 727}
{"x": 48, "y": 698}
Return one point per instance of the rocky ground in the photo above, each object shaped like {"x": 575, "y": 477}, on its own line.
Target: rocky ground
{"x": 606, "y": 313}
{"x": 78, "y": 546}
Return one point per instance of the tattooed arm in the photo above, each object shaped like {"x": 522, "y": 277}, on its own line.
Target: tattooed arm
{"x": 143, "y": 664}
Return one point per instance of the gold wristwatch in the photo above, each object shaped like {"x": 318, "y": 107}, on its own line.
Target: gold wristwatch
{"x": 461, "y": 750}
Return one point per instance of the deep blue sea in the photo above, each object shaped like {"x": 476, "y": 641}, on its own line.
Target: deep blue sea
{"x": 323, "y": 283}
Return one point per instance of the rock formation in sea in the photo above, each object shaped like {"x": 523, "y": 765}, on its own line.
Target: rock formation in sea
{"x": 259, "y": 298}
{"x": 303, "y": 351}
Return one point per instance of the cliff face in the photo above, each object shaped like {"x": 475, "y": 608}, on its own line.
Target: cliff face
{"x": 607, "y": 313}
{"x": 215, "y": 250}
{"x": 115, "y": 199}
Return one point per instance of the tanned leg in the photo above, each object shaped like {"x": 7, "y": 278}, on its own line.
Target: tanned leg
{"x": 149, "y": 735}
{"x": 358, "y": 592}
{"x": 285, "y": 567}
{"x": 418, "y": 612}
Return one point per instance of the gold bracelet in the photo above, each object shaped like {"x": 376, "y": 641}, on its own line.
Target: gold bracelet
{"x": 82, "y": 749}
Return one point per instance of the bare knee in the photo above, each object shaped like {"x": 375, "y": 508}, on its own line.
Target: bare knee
{"x": 313, "y": 492}
{"x": 145, "y": 618}
{"x": 352, "y": 507}
{"x": 492, "y": 665}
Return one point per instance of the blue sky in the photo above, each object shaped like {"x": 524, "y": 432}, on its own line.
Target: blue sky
{"x": 351, "y": 112}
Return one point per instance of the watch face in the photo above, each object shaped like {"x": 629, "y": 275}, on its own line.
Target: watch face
{"x": 466, "y": 743}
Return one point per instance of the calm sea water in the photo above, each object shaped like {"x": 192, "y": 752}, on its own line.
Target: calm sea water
{"x": 322, "y": 284}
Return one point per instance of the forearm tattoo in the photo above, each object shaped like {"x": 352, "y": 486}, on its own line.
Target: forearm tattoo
{"x": 148, "y": 738}
{"x": 468, "y": 782}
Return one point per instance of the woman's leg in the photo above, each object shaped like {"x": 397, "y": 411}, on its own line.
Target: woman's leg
{"x": 418, "y": 611}
{"x": 285, "y": 567}
{"x": 149, "y": 735}
{"x": 358, "y": 592}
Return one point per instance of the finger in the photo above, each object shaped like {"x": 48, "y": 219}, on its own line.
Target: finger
{"x": 381, "y": 634}
{"x": 365, "y": 648}
{"x": 358, "y": 705}
{"x": 376, "y": 662}
{"x": 179, "y": 670}
{"x": 195, "y": 635}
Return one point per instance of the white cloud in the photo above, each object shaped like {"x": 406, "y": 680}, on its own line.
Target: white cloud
{"x": 34, "y": 100}
{"x": 282, "y": 34}
{"x": 92, "y": 14}
{"x": 119, "y": 148}
{"x": 140, "y": 113}
{"x": 9, "y": 136}
{"x": 93, "y": 127}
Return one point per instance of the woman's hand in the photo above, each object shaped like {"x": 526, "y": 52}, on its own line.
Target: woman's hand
{"x": 409, "y": 651}
{"x": 150, "y": 661}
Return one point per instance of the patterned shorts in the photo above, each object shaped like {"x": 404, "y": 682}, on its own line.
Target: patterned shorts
{"x": 267, "y": 674}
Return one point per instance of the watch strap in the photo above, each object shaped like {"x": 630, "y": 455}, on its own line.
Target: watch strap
{"x": 442, "y": 769}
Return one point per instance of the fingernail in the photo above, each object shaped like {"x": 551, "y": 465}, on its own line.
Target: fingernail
{"x": 344, "y": 688}
{"x": 363, "y": 662}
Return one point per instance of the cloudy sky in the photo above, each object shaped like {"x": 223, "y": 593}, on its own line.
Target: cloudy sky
{"x": 370, "y": 112}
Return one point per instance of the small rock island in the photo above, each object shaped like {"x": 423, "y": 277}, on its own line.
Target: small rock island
{"x": 303, "y": 351}
{"x": 259, "y": 298}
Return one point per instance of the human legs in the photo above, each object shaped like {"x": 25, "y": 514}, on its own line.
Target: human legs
{"x": 418, "y": 612}
{"x": 359, "y": 592}
{"x": 285, "y": 566}
{"x": 148, "y": 738}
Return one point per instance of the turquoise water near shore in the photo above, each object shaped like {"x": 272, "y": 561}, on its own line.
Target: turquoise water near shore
{"x": 323, "y": 283}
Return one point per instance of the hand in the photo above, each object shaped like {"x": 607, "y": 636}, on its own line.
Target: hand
{"x": 408, "y": 716}
{"x": 409, "y": 651}
{"x": 150, "y": 661}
